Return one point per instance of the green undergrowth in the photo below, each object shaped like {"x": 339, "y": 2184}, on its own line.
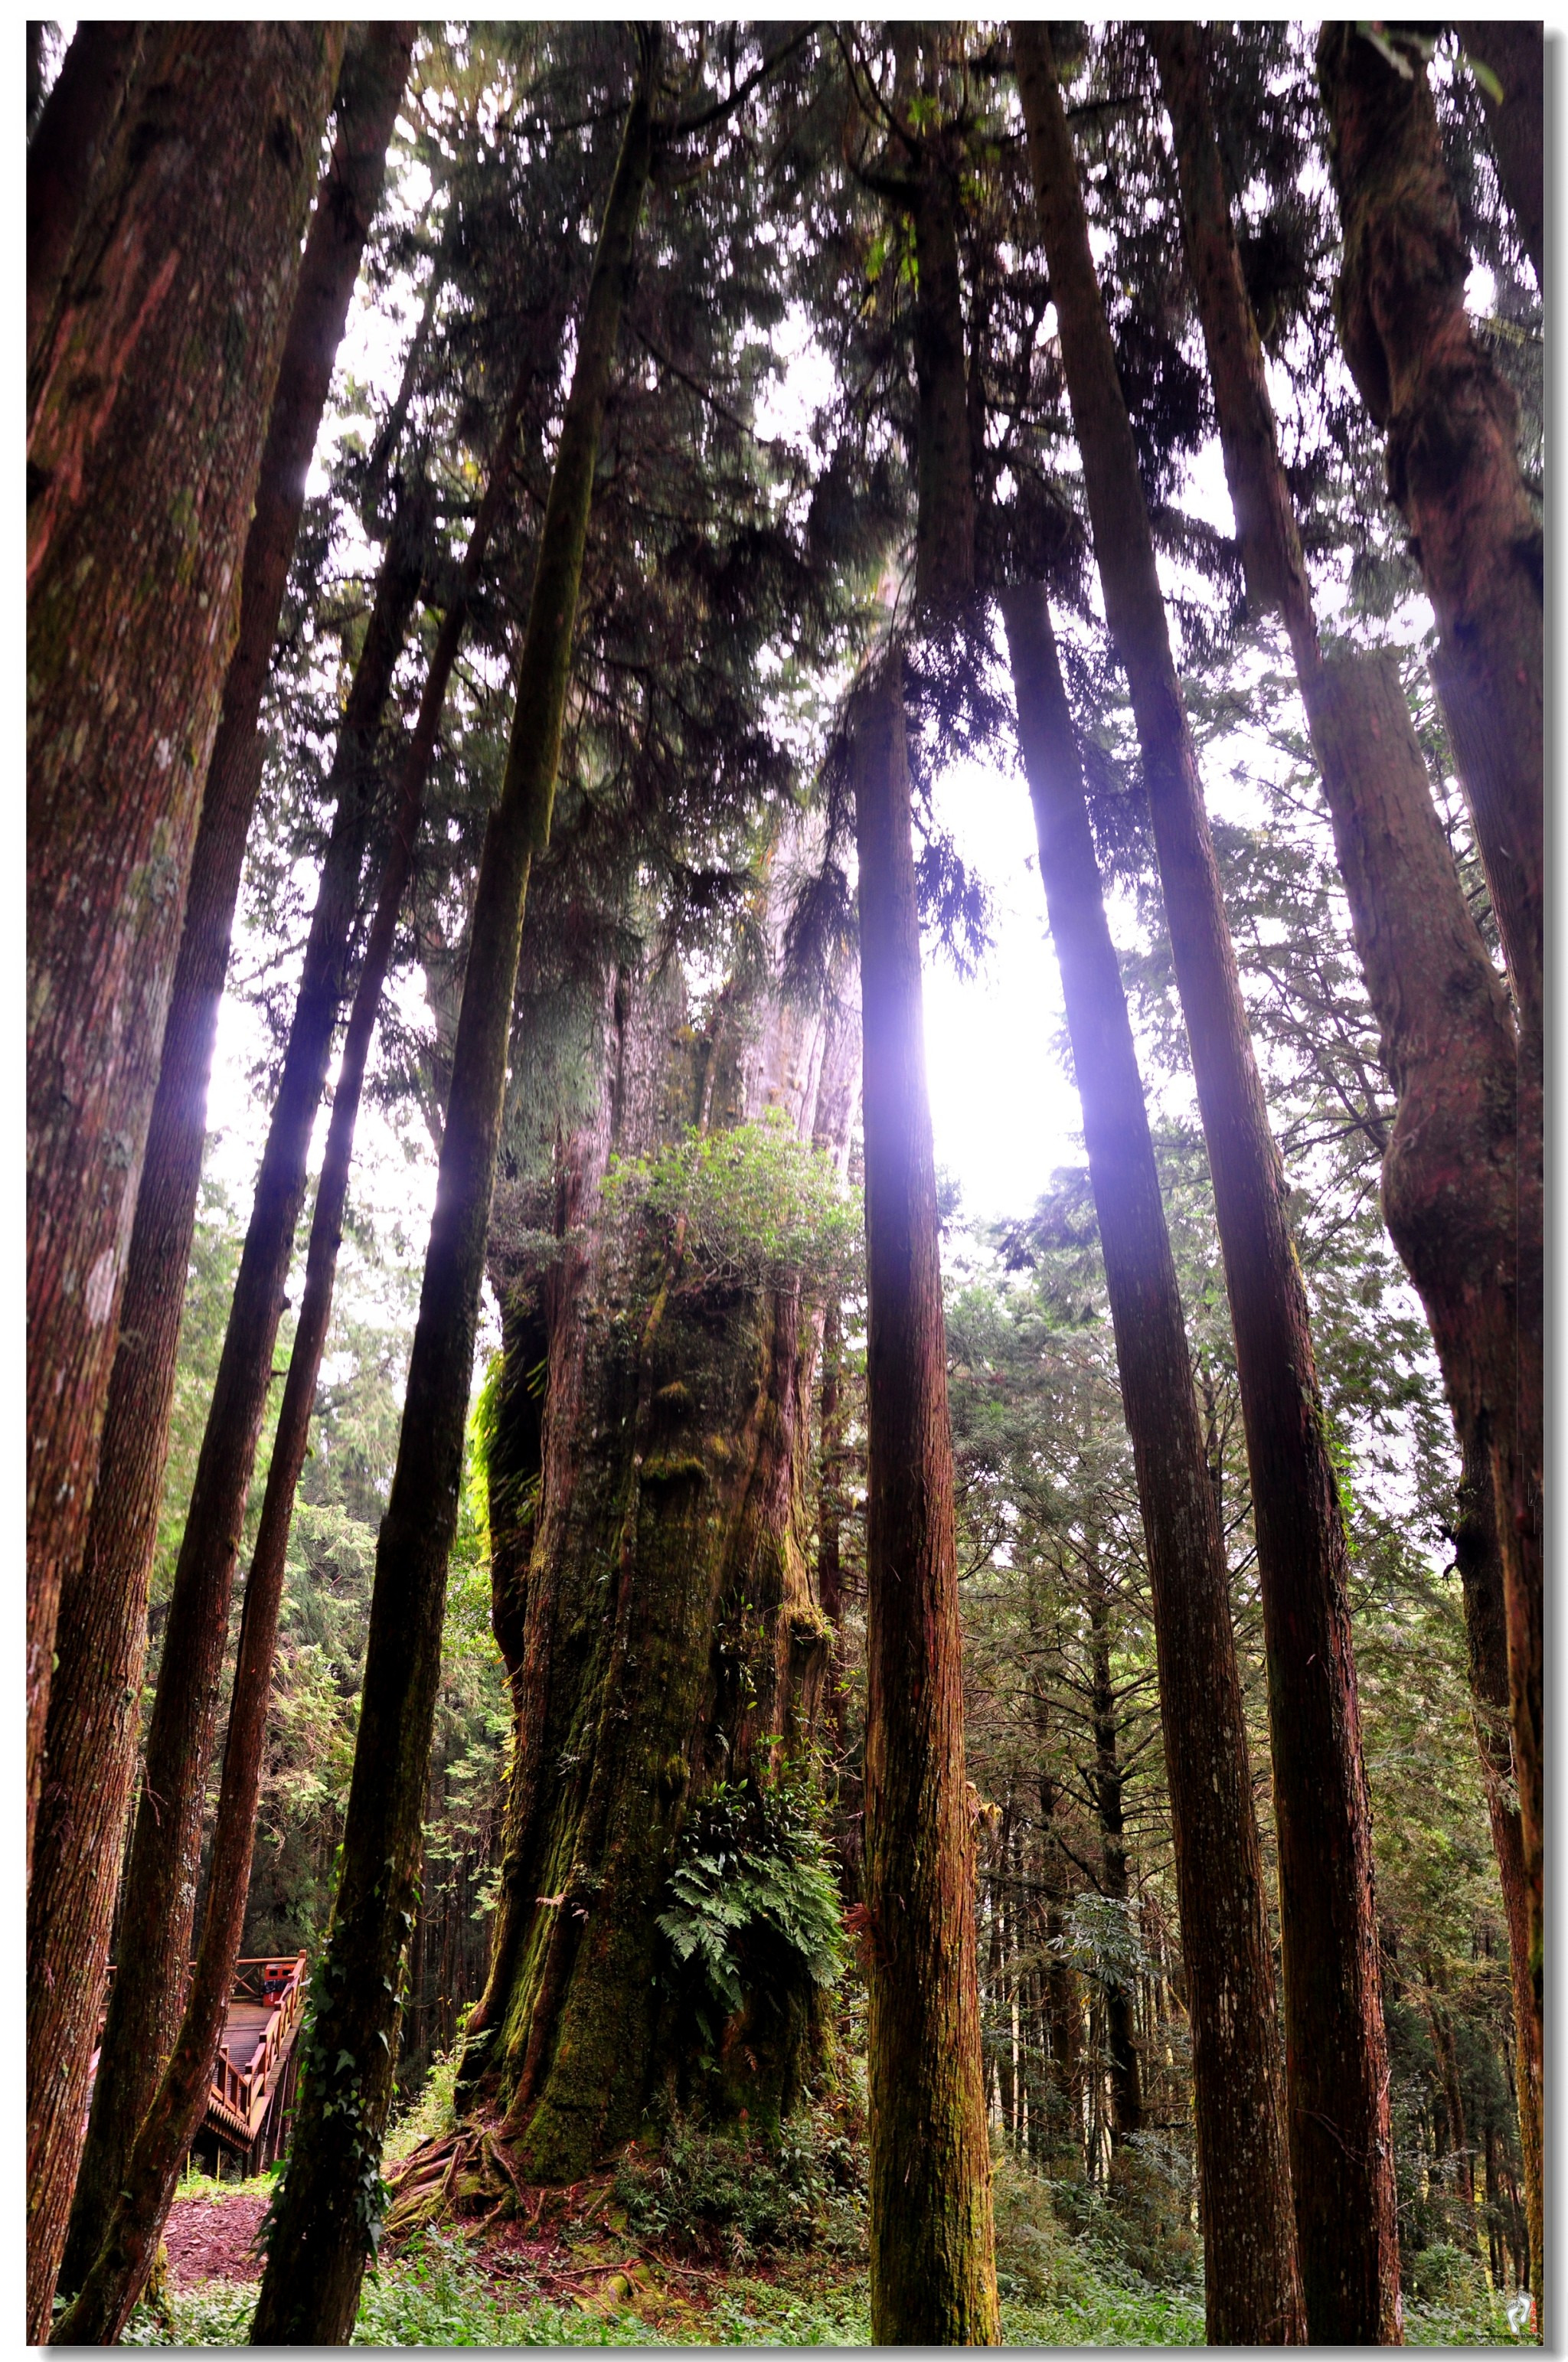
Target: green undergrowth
{"x": 709, "y": 2239}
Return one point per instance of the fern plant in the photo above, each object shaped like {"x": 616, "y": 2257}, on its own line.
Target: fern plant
{"x": 751, "y": 1862}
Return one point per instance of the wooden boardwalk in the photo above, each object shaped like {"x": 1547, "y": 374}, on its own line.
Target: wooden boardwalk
{"x": 251, "y": 2097}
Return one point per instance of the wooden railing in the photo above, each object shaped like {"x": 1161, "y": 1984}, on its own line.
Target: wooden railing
{"x": 240, "y": 2094}
{"x": 243, "y": 2092}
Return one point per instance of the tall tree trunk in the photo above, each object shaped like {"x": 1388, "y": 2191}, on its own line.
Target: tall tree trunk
{"x": 324, "y": 2217}
{"x": 1453, "y": 471}
{"x": 137, "y": 507}
{"x": 1480, "y": 1573}
{"x": 673, "y": 1453}
{"x": 1516, "y": 54}
{"x": 1337, "y": 2074}
{"x": 1120, "y": 2025}
{"x": 932, "y": 2275}
{"x": 114, "y": 2281}
{"x": 1251, "y": 2278}
{"x": 91, "y": 1743}
{"x": 65, "y": 156}
{"x": 1450, "y": 1173}
{"x": 848, "y": 1804}
{"x": 160, "y": 1884}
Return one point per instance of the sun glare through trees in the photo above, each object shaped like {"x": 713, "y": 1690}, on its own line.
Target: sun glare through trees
{"x": 786, "y": 918}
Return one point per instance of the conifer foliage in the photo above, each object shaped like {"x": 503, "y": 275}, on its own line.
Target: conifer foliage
{"x": 763, "y": 1695}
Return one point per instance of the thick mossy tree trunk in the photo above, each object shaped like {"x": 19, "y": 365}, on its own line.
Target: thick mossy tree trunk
{"x": 665, "y": 1635}
{"x": 92, "y": 1731}
{"x": 324, "y": 2218}
{"x": 1251, "y": 2278}
{"x": 160, "y": 1877}
{"x": 933, "y": 2272}
{"x": 1337, "y": 2064}
{"x": 1449, "y": 1043}
{"x": 142, "y": 464}
{"x": 1453, "y": 472}
{"x": 65, "y": 155}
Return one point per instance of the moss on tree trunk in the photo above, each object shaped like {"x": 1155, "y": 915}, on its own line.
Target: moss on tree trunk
{"x": 666, "y": 1633}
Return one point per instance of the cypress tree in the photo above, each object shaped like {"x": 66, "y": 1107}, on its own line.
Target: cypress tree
{"x": 1453, "y": 472}
{"x": 1252, "y": 2282}
{"x": 1449, "y": 1185}
{"x": 1337, "y": 2079}
{"x": 137, "y": 511}
{"x": 324, "y": 2217}
{"x": 159, "y": 1881}
{"x": 90, "y": 1732}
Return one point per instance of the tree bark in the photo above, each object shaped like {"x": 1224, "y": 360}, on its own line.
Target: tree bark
{"x": 1516, "y": 53}
{"x": 324, "y": 2218}
{"x": 1449, "y": 1191}
{"x": 672, "y": 1453}
{"x": 1120, "y": 2023}
{"x": 161, "y": 1876}
{"x": 933, "y": 2274}
{"x": 1486, "y": 1625}
{"x": 1453, "y": 472}
{"x": 91, "y": 1743}
{"x": 1251, "y": 2276}
{"x": 99, "y": 2313}
{"x": 1337, "y": 2076}
{"x": 137, "y": 507}
{"x": 945, "y": 536}
{"x": 64, "y": 157}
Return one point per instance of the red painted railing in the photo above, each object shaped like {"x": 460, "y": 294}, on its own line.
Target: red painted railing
{"x": 239, "y": 2095}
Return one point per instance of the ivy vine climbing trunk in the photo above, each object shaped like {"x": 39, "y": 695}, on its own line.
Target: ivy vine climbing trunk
{"x": 1450, "y": 1190}
{"x": 1453, "y": 472}
{"x": 92, "y": 1729}
{"x": 138, "y": 498}
{"x": 324, "y": 2217}
{"x": 1336, "y": 2050}
{"x": 933, "y": 2272}
{"x": 161, "y": 1876}
{"x": 1251, "y": 2281}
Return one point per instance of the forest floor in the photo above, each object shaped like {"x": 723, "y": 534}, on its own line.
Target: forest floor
{"x": 707, "y": 2242}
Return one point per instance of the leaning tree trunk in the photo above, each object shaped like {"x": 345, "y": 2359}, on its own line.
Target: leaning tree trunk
{"x": 932, "y": 2275}
{"x": 91, "y": 1732}
{"x": 673, "y": 1460}
{"x": 159, "y": 1883}
{"x": 1450, "y": 1190}
{"x": 1453, "y": 471}
{"x": 99, "y": 2313}
{"x": 1337, "y": 2069}
{"x": 1251, "y": 2276}
{"x": 325, "y": 2219}
{"x": 139, "y": 501}
{"x": 65, "y": 156}
{"x": 1516, "y": 54}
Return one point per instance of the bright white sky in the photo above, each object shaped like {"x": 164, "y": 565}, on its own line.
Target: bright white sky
{"x": 1003, "y": 1113}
